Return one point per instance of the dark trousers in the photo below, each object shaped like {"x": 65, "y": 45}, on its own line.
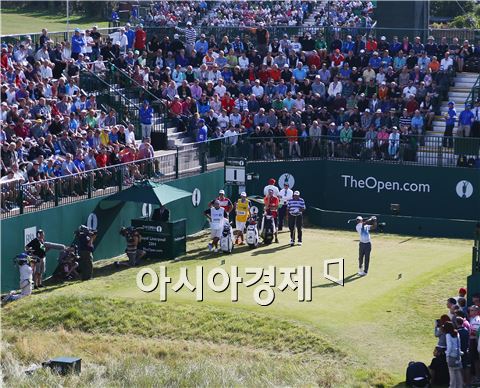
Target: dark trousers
{"x": 282, "y": 212}
{"x": 447, "y": 136}
{"x": 295, "y": 221}
{"x": 364, "y": 250}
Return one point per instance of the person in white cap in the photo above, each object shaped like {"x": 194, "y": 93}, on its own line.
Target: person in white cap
{"x": 242, "y": 210}
{"x": 365, "y": 245}
{"x": 296, "y": 207}
{"x": 225, "y": 202}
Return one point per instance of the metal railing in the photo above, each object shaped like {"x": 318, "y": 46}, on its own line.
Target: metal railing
{"x": 474, "y": 94}
{"x": 20, "y": 198}
{"x": 408, "y": 149}
{"x": 118, "y": 91}
{"x": 109, "y": 96}
{"x": 137, "y": 93}
{"x": 275, "y": 32}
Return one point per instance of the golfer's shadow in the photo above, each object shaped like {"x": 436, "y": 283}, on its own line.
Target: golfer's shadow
{"x": 348, "y": 279}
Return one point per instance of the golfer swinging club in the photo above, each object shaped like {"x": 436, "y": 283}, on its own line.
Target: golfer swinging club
{"x": 365, "y": 246}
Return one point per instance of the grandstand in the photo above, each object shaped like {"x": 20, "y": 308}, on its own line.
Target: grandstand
{"x": 363, "y": 117}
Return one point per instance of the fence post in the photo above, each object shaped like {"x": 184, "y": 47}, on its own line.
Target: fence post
{"x": 177, "y": 167}
{"x": 439, "y": 153}
{"x": 20, "y": 199}
{"x": 120, "y": 179}
{"x": 56, "y": 191}
{"x": 89, "y": 185}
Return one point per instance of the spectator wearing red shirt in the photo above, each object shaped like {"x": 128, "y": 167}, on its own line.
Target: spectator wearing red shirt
{"x": 140, "y": 39}
{"x": 314, "y": 59}
{"x": 275, "y": 73}
{"x": 176, "y": 107}
{"x": 337, "y": 58}
{"x": 412, "y": 105}
{"x": 371, "y": 45}
{"x": 127, "y": 154}
{"x": 263, "y": 74}
{"x": 102, "y": 158}
{"x": 228, "y": 103}
{"x": 5, "y": 58}
{"x": 21, "y": 130}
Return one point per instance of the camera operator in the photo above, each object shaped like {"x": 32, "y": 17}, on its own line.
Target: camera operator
{"x": 134, "y": 254}
{"x": 25, "y": 265}
{"x": 37, "y": 248}
{"x": 85, "y": 239}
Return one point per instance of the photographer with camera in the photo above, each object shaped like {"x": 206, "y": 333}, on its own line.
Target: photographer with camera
{"x": 134, "y": 254}
{"x": 85, "y": 238}
{"x": 25, "y": 265}
{"x": 38, "y": 250}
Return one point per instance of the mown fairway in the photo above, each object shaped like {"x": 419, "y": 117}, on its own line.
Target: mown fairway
{"x": 362, "y": 334}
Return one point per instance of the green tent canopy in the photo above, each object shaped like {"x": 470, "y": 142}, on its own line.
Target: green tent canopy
{"x": 149, "y": 192}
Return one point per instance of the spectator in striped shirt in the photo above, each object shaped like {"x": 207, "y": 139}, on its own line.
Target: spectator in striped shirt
{"x": 296, "y": 207}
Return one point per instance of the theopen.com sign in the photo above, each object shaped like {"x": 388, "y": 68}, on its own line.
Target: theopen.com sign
{"x": 372, "y": 183}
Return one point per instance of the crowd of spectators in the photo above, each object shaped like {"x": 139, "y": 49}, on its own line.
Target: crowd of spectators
{"x": 249, "y": 13}
{"x": 458, "y": 333}
{"x": 172, "y": 13}
{"x": 49, "y": 127}
{"x": 372, "y": 99}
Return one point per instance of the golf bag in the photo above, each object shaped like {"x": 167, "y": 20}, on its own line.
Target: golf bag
{"x": 226, "y": 241}
{"x": 268, "y": 229}
{"x": 252, "y": 235}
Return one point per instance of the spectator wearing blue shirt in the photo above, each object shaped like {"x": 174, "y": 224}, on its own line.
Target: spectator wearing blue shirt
{"x": 375, "y": 61}
{"x": 203, "y": 105}
{"x": 113, "y": 135}
{"x": 395, "y": 46}
{"x": 450, "y": 118}
{"x": 114, "y": 18}
{"x": 348, "y": 45}
{"x": 299, "y": 73}
{"x": 146, "y": 117}
{"x": 201, "y": 46}
{"x": 202, "y": 131}
{"x": 77, "y": 43}
{"x": 465, "y": 121}
{"x": 130, "y": 35}
{"x": 418, "y": 125}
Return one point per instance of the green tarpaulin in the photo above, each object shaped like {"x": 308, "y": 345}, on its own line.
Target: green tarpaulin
{"x": 149, "y": 192}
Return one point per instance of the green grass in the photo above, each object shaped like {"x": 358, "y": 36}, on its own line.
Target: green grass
{"x": 15, "y": 21}
{"x": 363, "y": 334}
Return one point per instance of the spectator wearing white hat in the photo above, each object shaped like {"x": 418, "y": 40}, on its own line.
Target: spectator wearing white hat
{"x": 296, "y": 207}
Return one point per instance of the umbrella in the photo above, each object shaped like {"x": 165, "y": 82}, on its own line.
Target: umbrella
{"x": 149, "y": 192}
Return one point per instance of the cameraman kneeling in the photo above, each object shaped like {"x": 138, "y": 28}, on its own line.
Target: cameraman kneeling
{"x": 25, "y": 266}
{"x": 134, "y": 254}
